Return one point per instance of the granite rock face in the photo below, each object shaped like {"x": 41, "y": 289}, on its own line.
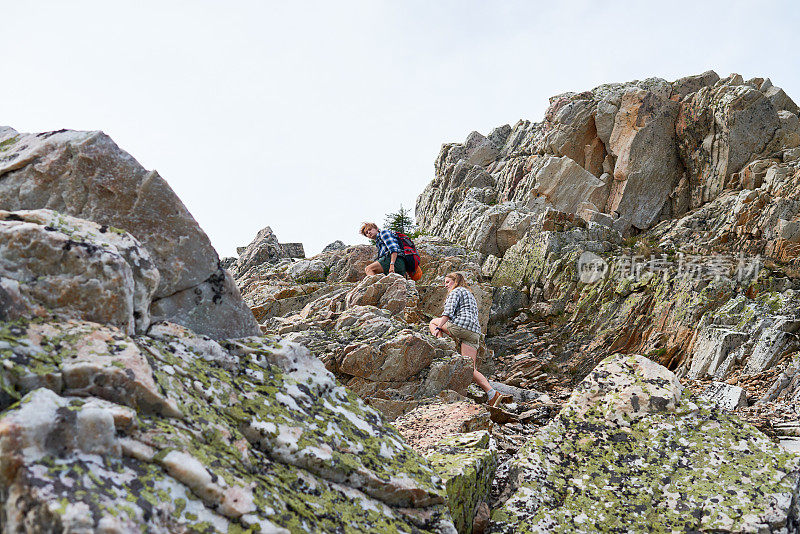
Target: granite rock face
{"x": 630, "y": 452}
{"x": 87, "y": 176}
{"x": 646, "y": 150}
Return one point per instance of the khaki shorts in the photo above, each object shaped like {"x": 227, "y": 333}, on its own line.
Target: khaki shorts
{"x": 462, "y": 335}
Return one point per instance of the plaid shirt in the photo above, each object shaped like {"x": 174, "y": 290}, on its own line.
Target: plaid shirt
{"x": 387, "y": 243}
{"x": 462, "y": 309}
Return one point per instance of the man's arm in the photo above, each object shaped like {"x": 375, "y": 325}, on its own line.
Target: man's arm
{"x": 391, "y": 262}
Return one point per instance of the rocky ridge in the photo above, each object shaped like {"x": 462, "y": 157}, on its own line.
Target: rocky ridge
{"x": 678, "y": 196}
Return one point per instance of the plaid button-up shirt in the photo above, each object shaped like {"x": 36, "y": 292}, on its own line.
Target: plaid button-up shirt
{"x": 462, "y": 309}
{"x": 387, "y": 243}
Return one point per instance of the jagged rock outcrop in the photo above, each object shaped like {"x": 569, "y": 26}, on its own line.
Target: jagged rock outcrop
{"x": 87, "y": 176}
{"x": 630, "y": 451}
{"x": 685, "y": 196}
{"x": 637, "y": 152}
{"x": 265, "y": 248}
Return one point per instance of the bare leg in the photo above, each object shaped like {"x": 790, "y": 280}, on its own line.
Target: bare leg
{"x": 468, "y": 351}
{"x": 477, "y": 376}
{"x": 373, "y": 268}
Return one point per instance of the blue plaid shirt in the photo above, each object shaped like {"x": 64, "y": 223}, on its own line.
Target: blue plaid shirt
{"x": 387, "y": 243}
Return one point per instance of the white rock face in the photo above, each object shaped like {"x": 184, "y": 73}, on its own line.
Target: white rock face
{"x": 713, "y": 347}
{"x": 53, "y": 263}
{"x": 726, "y": 396}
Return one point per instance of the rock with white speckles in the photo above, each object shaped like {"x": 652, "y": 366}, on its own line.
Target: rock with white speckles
{"x": 630, "y": 453}
{"x": 467, "y": 464}
{"x": 261, "y": 437}
{"x": 726, "y": 396}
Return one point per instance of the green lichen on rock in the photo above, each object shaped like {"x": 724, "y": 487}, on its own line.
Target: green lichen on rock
{"x": 682, "y": 467}
{"x": 467, "y": 464}
{"x": 266, "y": 441}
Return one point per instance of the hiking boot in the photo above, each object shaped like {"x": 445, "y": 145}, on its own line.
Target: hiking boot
{"x": 498, "y": 398}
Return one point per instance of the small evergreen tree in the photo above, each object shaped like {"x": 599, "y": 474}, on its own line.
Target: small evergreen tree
{"x": 399, "y": 221}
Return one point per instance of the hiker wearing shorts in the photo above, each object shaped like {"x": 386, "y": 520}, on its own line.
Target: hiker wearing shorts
{"x": 460, "y": 321}
{"x": 390, "y": 257}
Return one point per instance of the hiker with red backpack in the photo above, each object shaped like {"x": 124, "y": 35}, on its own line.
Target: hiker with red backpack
{"x": 396, "y": 252}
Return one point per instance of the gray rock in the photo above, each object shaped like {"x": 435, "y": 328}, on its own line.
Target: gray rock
{"x": 506, "y": 304}
{"x": 726, "y": 396}
{"x": 214, "y": 308}
{"x": 55, "y": 264}
{"x": 305, "y": 271}
{"x": 336, "y": 245}
{"x": 647, "y": 165}
{"x": 713, "y": 347}
{"x": 265, "y": 248}
{"x": 86, "y": 175}
{"x": 231, "y": 462}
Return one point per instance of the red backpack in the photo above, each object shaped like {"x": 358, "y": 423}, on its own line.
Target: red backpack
{"x": 411, "y": 256}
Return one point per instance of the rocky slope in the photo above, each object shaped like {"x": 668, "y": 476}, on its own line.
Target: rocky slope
{"x": 651, "y": 217}
{"x": 634, "y": 257}
{"x": 136, "y": 392}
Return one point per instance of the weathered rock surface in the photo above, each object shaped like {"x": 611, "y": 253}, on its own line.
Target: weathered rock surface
{"x": 56, "y": 264}
{"x": 467, "y": 464}
{"x": 630, "y": 452}
{"x": 266, "y": 438}
{"x": 87, "y": 176}
{"x": 214, "y": 308}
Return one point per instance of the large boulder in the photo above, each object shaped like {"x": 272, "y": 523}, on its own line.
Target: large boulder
{"x": 86, "y": 175}
{"x": 630, "y": 452}
{"x": 266, "y": 440}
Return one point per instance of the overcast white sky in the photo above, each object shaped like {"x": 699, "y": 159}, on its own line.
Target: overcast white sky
{"x": 311, "y": 117}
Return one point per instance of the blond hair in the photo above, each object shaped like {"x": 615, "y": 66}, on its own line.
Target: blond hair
{"x": 366, "y": 226}
{"x": 458, "y": 278}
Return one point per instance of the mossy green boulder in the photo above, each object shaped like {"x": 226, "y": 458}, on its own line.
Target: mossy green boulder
{"x": 628, "y": 453}
{"x": 183, "y": 433}
{"x": 467, "y": 464}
